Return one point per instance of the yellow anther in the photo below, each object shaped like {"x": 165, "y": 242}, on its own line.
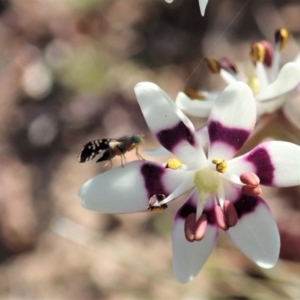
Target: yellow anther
{"x": 221, "y": 165}
{"x": 173, "y": 163}
{"x": 191, "y": 93}
{"x": 213, "y": 65}
{"x": 258, "y": 52}
{"x": 282, "y": 36}
{"x": 254, "y": 84}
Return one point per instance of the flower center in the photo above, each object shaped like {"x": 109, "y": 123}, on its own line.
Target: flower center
{"x": 207, "y": 182}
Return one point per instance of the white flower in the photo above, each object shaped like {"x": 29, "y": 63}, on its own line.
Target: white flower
{"x": 271, "y": 85}
{"x": 213, "y": 180}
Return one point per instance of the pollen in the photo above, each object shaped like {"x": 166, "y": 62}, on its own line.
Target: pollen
{"x": 221, "y": 165}
{"x": 173, "y": 163}
{"x": 258, "y": 52}
{"x": 207, "y": 182}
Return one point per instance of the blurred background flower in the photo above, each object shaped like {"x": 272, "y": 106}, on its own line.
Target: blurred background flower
{"x": 67, "y": 74}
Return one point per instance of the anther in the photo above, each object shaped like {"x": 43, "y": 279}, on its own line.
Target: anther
{"x": 220, "y": 218}
{"x": 221, "y": 165}
{"x": 282, "y": 37}
{"x": 251, "y": 187}
{"x": 200, "y": 228}
{"x": 194, "y": 95}
{"x": 228, "y": 65}
{"x": 173, "y": 163}
{"x": 258, "y": 52}
{"x": 230, "y": 214}
{"x": 213, "y": 65}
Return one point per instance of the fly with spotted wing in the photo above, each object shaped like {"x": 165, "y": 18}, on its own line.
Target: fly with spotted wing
{"x": 109, "y": 148}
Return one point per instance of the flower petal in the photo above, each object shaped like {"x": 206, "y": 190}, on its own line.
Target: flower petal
{"x": 128, "y": 189}
{"x": 231, "y": 120}
{"x": 161, "y": 151}
{"x": 203, "y": 4}
{"x": 195, "y": 107}
{"x": 189, "y": 258}
{"x": 276, "y": 163}
{"x": 167, "y": 122}
{"x": 288, "y": 79}
{"x": 256, "y": 233}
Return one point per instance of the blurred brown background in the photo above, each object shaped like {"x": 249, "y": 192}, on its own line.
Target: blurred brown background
{"x": 67, "y": 72}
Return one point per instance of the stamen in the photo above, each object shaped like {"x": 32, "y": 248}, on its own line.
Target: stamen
{"x": 230, "y": 214}
{"x": 269, "y": 53}
{"x": 282, "y": 37}
{"x": 250, "y": 179}
{"x": 221, "y": 165}
{"x": 195, "y": 231}
{"x": 258, "y": 52}
{"x": 228, "y": 65}
{"x": 213, "y": 65}
{"x": 194, "y": 95}
{"x": 251, "y": 190}
{"x": 252, "y": 187}
{"x": 200, "y": 228}
{"x": 189, "y": 226}
{"x": 220, "y": 217}
{"x": 173, "y": 163}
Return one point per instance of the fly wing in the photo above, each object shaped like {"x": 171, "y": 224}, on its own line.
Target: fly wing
{"x": 93, "y": 148}
{"x": 108, "y": 154}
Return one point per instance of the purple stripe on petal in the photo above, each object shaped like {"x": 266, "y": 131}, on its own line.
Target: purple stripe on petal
{"x": 153, "y": 179}
{"x": 262, "y": 162}
{"x": 170, "y": 138}
{"x": 187, "y": 209}
{"x": 210, "y": 215}
{"x": 232, "y": 136}
{"x": 245, "y": 205}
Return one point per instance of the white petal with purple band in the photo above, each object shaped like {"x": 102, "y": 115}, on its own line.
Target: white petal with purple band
{"x": 167, "y": 122}
{"x": 276, "y": 163}
{"x": 231, "y": 121}
{"x": 189, "y": 258}
{"x": 128, "y": 189}
{"x": 256, "y": 233}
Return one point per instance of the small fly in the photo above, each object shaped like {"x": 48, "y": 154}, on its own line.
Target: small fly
{"x": 109, "y": 148}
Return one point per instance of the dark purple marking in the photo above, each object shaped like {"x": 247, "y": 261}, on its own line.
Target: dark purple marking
{"x": 210, "y": 215}
{"x": 232, "y": 136}
{"x": 153, "y": 179}
{"x": 245, "y": 205}
{"x": 188, "y": 208}
{"x": 170, "y": 138}
{"x": 264, "y": 169}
